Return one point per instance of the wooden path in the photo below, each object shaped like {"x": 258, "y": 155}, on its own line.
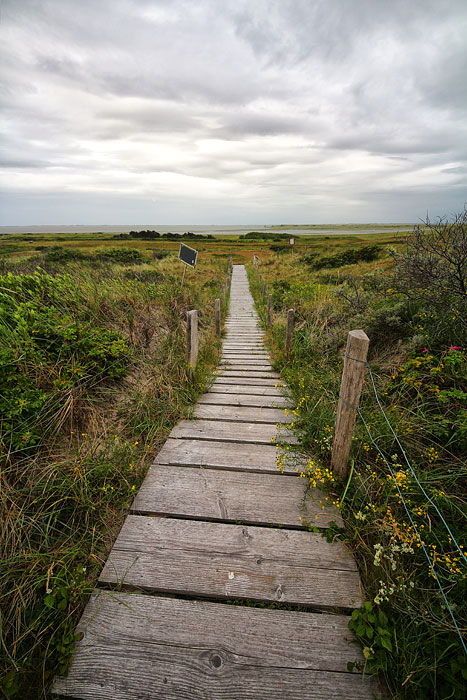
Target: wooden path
{"x": 215, "y": 524}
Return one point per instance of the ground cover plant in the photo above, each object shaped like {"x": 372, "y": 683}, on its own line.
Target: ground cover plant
{"x": 94, "y": 376}
{"x": 404, "y": 504}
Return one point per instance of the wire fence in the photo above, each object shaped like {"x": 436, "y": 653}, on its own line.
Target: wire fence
{"x": 403, "y": 501}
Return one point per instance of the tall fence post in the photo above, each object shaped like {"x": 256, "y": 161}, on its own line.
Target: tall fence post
{"x": 192, "y": 338}
{"x": 269, "y": 309}
{"x": 227, "y": 283}
{"x": 223, "y": 293}
{"x": 289, "y": 333}
{"x": 353, "y": 376}
{"x": 217, "y": 308}
{"x": 255, "y": 260}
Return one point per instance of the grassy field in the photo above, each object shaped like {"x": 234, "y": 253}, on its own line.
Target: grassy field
{"x": 404, "y": 505}
{"x": 94, "y": 377}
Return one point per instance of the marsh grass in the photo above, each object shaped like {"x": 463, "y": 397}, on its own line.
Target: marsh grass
{"x": 420, "y": 371}
{"x": 102, "y": 352}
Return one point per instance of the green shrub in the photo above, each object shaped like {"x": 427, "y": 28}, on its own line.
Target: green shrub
{"x": 45, "y": 350}
{"x": 347, "y": 257}
{"x": 124, "y": 256}
{"x": 59, "y": 254}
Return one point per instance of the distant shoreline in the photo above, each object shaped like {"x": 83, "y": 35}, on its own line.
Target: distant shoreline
{"x": 219, "y": 230}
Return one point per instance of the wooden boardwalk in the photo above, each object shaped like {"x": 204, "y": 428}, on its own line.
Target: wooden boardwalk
{"x": 215, "y": 524}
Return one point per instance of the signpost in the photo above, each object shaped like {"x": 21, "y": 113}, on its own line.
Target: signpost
{"x": 188, "y": 256}
{"x": 292, "y": 243}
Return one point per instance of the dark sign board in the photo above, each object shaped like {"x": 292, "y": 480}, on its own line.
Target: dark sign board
{"x": 187, "y": 255}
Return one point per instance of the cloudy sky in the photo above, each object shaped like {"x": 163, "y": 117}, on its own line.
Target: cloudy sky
{"x": 232, "y": 111}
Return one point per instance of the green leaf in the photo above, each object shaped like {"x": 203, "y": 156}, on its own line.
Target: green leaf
{"x": 383, "y": 620}
{"x": 386, "y": 643}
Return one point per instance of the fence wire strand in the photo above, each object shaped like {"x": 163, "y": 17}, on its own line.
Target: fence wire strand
{"x": 406, "y": 508}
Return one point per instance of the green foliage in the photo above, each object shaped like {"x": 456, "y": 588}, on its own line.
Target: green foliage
{"x": 418, "y": 359}
{"x": 433, "y": 272}
{"x": 75, "y": 447}
{"x": 346, "y": 257}
{"x": 60, "y": 254}
{"x": 36, "y": 331}
{"x": 124, "y": 256}
{"x": 267, "y": 236}
{"x": 371, "y": 625}
{"x": 437, "y": 385}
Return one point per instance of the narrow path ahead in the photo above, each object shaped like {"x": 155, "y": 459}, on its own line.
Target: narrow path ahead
{"x": 215, "y": 523}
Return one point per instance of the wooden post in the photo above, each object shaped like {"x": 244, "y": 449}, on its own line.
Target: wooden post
{"x": 351, "y": 388}
{"x": 217, "y": 307}
{"x": 264, "y": 293}
{"x": 227, "y": 283}
{"x": 255, "y": 261}
{"x": 260, "y": 280}
{"x": 223, "y": 293}
{"x": 289, "y": 334}
{"x": 192, "y": 338}
{"x": 269, "y": 309}
{"x": 230, "y": 264}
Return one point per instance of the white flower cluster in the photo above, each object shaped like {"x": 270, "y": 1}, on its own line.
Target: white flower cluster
{"x": 384, "y": 592}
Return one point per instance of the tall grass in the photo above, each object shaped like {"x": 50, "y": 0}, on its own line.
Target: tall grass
{"x": 100, "y": 347}
{"x": 406, "y": 628}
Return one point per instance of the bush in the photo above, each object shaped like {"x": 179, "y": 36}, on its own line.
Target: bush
{"x": 346, "y": 257}
{"x": 125, "y": 256}
{"x": 433, "y": 273}
{"x": 59, "y": 254}
{"x": 45, "y": 350}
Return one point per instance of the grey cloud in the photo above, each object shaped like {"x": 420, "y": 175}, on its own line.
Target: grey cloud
{"x": 286, "y": 102}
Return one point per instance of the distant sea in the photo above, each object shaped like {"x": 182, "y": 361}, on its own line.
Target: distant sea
{"x": 214, "y": 230}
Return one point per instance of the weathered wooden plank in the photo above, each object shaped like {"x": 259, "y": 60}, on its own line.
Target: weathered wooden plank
{"x": 246, "y": 359}
{"x": 133, "y": 647}
{"x": 251, "y": 374}
{"x": 252, "y": 366}
{"x": 207, "y": 494}
{"x": 245, "y": 414}
{"x": 250, "y": 389}
{"x": 230, "y": 431}
{"x": 246, "y": 354}
{"x": 261, "y": 381}
{"x": 219, "y": 455}
{"x": 215, "y": 398}
{"x": 244, "y": 346}
{"x": 192, "y": 557}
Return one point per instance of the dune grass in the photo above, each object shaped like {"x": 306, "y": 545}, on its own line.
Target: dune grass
{"x": 94, "y": 377}
{"x": 418, "y": 357}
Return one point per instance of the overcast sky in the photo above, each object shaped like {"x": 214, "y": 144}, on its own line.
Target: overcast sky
{"x": 232, "y": 111}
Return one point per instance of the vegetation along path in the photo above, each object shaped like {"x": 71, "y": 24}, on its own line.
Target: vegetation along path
{"x": 214, "y": 587}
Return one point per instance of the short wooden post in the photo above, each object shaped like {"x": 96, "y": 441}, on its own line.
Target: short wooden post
{"x": 264, "y": 293}
{"x": 289, "y": 333}
{"x": 192, "y": 338}
{"x": 260, "y": 280}
{"x": 223, "y": 293}
{"x": 255, "y": 261}
{"x": 269, "y": 309}
{"x": 351, "y": 388}
{"x": 227, "y": 283}
{"x": 217, "y": 309}
{"x": 230, "y": 264}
